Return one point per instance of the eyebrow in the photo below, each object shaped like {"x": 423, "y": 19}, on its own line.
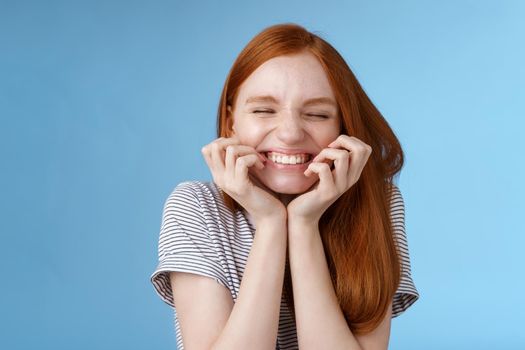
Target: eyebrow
{"x": 311, "y": 101}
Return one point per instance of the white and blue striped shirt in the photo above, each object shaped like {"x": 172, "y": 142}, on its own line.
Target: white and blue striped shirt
{"x": 200, "y": 235}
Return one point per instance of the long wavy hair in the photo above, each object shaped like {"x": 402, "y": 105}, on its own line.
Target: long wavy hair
{"x": 356, "y": 230}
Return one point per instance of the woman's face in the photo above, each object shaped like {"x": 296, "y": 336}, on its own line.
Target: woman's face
{"x": 275, "y": 112}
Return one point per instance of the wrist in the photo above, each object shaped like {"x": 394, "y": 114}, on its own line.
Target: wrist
{"x": 302, "y": 225}
{"x": 302, "y": 222}
{"x": 273, "y": 220}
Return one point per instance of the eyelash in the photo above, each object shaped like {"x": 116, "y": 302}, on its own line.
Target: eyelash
{"x": 314, "y": 115}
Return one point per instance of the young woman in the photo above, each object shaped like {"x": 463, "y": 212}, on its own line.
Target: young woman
{"x": 299, "y": 241}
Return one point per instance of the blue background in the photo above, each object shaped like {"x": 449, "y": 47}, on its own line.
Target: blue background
{"x": 105, "y": 105}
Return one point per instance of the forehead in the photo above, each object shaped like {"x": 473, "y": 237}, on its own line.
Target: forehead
{"x": 294, "y": 77}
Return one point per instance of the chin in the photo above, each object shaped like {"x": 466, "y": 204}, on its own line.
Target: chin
{"x": 289, "y": 186}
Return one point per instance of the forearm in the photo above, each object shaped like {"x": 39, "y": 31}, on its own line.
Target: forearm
{"x": 254, "y": 320}
{"x": 319, "y": 319}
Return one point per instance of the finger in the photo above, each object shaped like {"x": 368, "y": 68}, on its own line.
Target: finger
{"x": 358, "y": 160}
{"x": 326, "y": 179}
{"x": 341, "y": 161}
{"x": 233, "y": 152}
{"x": 245, "y": 162}
{"x": 241, "y": 150}
{"x": 351, "y": 144}
{"x": 359, "y": 153}
{"x": 357, "y": 164}
{"x": 218, "y": 152}
{"x": 206, "y": 153}
{"x": 324, "y": 157}
{"x": 344, "y": 141}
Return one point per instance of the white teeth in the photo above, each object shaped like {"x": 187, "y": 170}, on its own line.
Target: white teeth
{"x": 287, "y": 159}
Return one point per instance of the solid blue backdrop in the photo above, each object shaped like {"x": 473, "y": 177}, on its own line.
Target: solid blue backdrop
{"x": 105, "y": 105}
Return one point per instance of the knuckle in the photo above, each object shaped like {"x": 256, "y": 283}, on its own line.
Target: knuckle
{"x": 324, "y": 167}
{"x": 215, "y": 146}
{"x": 242, "y": 161}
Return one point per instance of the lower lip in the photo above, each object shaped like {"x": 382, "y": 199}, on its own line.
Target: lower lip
{"x": 290, "y": 167}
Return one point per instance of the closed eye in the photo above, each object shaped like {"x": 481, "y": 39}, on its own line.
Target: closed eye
{"x": 311, "y": 115}
{"x": 319, "y": 115}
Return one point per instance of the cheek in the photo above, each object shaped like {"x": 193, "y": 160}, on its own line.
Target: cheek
{"x": 326, "y": 136}
{"x": 250, "y": 135}
{"x": 250, "y": 139}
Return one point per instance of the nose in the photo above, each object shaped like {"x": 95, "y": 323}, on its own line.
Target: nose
{"x": 290, "y": 129}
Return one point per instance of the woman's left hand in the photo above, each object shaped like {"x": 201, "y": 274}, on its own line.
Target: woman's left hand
{"x": 348, "y": 165}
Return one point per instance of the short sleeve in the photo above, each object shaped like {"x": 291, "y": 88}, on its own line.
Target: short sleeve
{"x": 184, "y": 243}
{"x": 406, "y": 294}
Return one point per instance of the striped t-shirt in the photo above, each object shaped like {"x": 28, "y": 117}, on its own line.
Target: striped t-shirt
{"x": 200, "y": 235}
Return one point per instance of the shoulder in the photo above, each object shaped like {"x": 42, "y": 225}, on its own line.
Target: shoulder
{"x": 195, "y": 200}
{"x": 193, "y": 193}
{"x": 194, "y": 188}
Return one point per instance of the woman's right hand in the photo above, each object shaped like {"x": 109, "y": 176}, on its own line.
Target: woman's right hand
{"x": 229, "y": 161}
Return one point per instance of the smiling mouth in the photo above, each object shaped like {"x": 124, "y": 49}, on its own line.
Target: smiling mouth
{"x": 285, "y": 159}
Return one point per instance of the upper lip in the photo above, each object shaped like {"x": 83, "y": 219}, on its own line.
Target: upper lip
{"x": 288, "y": 150}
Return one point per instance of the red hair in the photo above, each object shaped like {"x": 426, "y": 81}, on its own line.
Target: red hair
{"x": 356, "y": 230}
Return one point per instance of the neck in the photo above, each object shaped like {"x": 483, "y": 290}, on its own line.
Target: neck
{"x": 286, "y": 198}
